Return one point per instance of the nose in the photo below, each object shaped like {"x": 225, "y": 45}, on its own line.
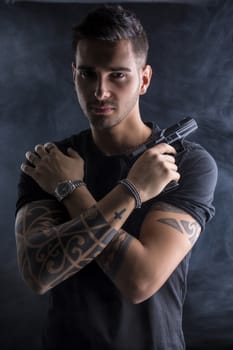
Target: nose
{"x": 101, "y": 89}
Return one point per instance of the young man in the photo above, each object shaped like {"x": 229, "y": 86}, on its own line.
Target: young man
{"x": 98, "y": 228}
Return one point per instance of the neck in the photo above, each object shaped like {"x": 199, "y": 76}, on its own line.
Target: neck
{"x": 121, "y": 138}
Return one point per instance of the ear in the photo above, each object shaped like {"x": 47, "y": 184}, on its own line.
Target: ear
{"x": 146, "y": 78}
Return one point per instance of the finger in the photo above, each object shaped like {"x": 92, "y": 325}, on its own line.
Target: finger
{"x": 27, "y": 169}
{"x": 164, "y": 148}
{"x": 72, "y": 153}
{"x": 50, "y": 147}
{"x": 32, "y": 158}
{"x": 176, "y": 176}
{"x": 41, "y": 151}
{"x": 169, "y": 158}
{"x": 173, "y": 167}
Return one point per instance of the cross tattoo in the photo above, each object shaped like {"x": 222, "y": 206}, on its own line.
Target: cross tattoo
{"x": 118, "y": 215}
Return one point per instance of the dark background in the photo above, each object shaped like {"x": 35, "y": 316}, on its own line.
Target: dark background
{"x": 192, "y": 56}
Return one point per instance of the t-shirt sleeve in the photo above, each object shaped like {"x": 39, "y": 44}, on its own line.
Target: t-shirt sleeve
{"x": 29, "y": 190}
{"x": 195, "y": 193}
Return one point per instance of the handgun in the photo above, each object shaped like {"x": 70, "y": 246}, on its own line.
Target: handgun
{"x": 169, "y": 135}
{"x": 174, "y": 133}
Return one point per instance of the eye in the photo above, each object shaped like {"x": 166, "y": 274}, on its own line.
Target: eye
{"x": 118, "y": 75}
{"x": 87, "y": 74}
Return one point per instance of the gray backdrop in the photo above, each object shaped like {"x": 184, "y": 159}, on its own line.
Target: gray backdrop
{"x": 192, "y": 56}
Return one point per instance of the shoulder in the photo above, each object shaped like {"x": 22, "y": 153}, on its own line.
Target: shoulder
{"x": 29, "y": 190}
{"x": 197, "y": 166}
{"x": 194, "y": 152}
{"x": 78, "y": 141}
{"x": 195, "y": 193}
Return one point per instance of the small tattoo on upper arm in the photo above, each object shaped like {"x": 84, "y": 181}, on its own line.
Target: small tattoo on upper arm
{"x": 191, "y": 228}
{"x": 171, "y": 222}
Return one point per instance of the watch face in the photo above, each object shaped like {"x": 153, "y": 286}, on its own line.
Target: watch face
{"x": 64, "y": 188}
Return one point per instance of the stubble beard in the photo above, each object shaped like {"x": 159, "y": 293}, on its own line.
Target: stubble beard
{"x": 103, "y": 122}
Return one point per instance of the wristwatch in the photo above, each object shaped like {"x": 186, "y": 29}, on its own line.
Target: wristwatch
{"x": 65, "y": 188}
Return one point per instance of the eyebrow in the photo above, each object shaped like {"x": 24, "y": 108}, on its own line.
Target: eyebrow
{"x": 112, "y": 69}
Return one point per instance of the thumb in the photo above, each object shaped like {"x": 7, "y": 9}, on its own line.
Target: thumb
{"x": 72, "y": 153}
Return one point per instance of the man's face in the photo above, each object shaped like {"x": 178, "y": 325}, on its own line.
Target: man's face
{"x": 108, "y": 81}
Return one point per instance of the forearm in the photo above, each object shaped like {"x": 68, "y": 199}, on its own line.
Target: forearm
{"x": 115, "y": 207}
{"x": 50, "y": 252}
{"x": 125, "y": 262}
{"x": 139, "y": 267}
{"x": 124, "y": 257}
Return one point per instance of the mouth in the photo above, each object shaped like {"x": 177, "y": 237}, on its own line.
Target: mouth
{"x": 101, "y": 109}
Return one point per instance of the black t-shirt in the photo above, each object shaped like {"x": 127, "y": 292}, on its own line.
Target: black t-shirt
{"x": 87, "y": 311}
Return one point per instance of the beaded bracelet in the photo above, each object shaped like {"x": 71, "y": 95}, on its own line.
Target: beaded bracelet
{"x": 132, "y": 189}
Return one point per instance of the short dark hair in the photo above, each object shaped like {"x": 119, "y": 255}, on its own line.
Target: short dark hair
{"x": 112, "y": 23}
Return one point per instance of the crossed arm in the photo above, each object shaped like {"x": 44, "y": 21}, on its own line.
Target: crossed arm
{"x": 52, "y": 248}
{"x": 53, "y": 245}
{"x": 55, "y": 242}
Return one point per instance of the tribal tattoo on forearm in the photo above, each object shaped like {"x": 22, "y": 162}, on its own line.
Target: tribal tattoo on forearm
{"x": 112, "y": 256}
{"x": 189, "y": 227}
{"x": 50, "y": 248}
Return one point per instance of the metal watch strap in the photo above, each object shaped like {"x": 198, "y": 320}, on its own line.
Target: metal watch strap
{"x": 78, "y": 183}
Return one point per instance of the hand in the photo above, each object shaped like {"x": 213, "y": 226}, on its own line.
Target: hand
{"x": 49, "y": 166}
{"x": 153, "y": 170}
